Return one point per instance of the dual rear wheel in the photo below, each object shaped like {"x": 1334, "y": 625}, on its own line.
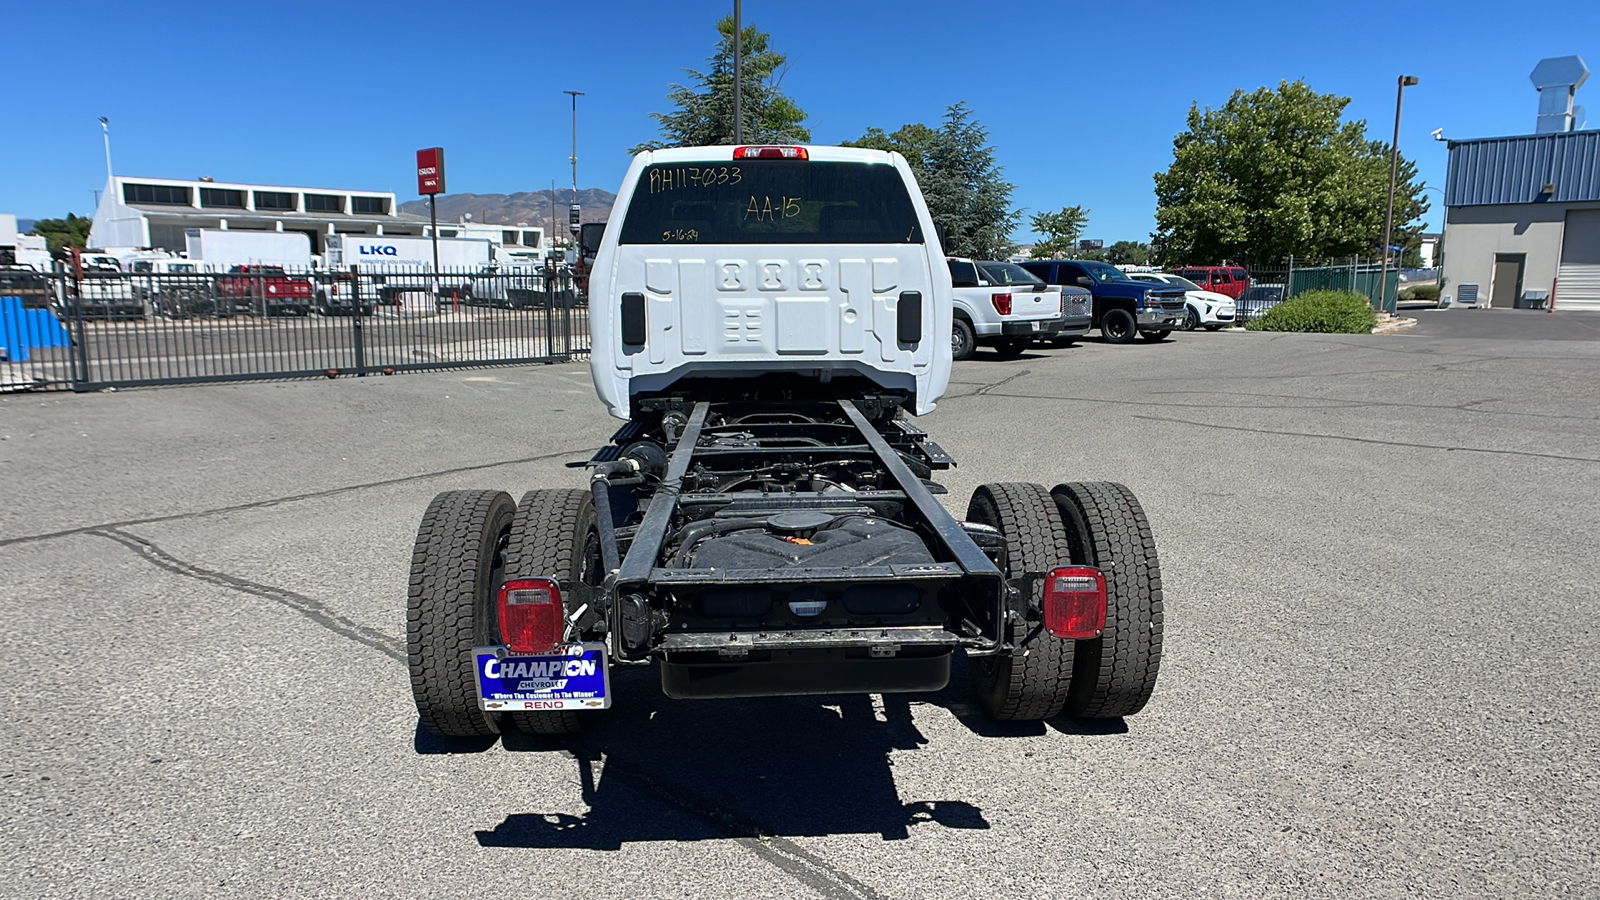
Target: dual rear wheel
{"x": 1083, "y": 523}
{"x": 470, "y": 543}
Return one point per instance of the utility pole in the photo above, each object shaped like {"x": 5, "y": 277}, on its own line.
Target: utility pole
{"x": 572, "y": 224}
{"x": 105, "y": 126}
{"x": 1405, "y": 81}
{"x": 738, "y": 74}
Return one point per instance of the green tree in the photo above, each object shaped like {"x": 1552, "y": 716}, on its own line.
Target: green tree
{"x": 1059, "y": 231}
{"x": 1275, "y": 173}
{"x": 966, "y": 192}
{"x": 63, "y": 234}
{"x": 1128, "y": 253}
{"x": 704, "y": 114}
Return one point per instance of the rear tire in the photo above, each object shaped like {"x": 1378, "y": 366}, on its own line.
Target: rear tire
{"x": 1036, "y": 686}
{"x": 962, "y": 339}
{"x": 455, "y": 567}
{"x": 1010, "y": 349}
{"x": 554, "y": 536}
{"x": 1155, "y": 337}
{"x": 1118, "y": 326}
{"x": 1114, "y": 674}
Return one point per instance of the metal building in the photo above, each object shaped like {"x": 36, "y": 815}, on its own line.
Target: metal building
{"x": 156, "y": 213}
{"x": 1522, "y": 214}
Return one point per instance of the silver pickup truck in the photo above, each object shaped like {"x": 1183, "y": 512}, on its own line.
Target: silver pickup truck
{"x": 1002, "y": 305}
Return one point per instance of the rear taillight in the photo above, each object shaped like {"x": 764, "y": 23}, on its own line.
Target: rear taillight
{"x": 532, "y": 617}
{"x": 1002, "y": 303}
{"x": 770, "y": 153}
{"x": 1075, "y": 602}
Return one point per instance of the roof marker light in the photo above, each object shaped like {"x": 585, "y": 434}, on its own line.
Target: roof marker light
{"x": 770, "y": 153}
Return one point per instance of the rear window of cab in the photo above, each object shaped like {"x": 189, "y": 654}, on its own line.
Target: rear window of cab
{"x": 770, "y": 201}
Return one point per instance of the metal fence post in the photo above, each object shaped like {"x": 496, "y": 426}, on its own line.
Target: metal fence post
{"x": 80, "y": 339}
{"x": 360, "y": 344}
{"x": 1288, "y": 280}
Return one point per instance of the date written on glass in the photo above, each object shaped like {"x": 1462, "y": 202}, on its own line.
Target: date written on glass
{"x": 683, "y": 177}
{"x": 763, "y": 209}
{"x": 680, "y": 234}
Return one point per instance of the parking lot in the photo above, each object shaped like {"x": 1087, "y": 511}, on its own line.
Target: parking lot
{"x": 1379, "y": 677}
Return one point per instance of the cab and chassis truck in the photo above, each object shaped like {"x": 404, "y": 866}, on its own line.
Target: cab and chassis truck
{"x": 765, "y": 522}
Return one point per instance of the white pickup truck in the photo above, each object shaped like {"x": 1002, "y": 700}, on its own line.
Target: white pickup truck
{"x": 1000, "y": 305}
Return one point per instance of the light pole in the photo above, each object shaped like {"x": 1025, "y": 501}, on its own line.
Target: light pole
{"x": 1404, "y": 82}
{"x": 738, "y": 75}
{"x": 572, "y": 224}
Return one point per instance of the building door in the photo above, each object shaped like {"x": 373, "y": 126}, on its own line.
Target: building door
{"x": 1578, "y": 279}
{"x": 1507, "y": 280}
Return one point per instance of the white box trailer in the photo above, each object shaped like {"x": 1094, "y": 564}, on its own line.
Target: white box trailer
{"x": 392, "y": 265}
{"x": 390, "y": 252}
{"x": 221, "y": 249}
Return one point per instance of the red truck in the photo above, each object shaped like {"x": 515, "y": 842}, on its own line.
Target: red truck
{"x": 264, "y": 291}
{"x": 1230, "y": 280}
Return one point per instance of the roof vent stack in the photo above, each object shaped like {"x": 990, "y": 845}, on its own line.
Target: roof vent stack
{"x": 1557, "y": 80}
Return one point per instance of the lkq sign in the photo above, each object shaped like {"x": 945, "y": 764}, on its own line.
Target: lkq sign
{"x": 430, "y": 171}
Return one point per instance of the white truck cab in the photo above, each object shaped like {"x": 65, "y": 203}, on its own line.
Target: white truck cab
{"x": 736, "y": 262}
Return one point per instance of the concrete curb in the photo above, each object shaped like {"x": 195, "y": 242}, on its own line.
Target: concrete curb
{"x": 1393, "y": 325}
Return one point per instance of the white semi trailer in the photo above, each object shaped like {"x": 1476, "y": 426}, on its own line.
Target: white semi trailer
{"x": 389, "y": 252}
{"x": 221, "y": 249}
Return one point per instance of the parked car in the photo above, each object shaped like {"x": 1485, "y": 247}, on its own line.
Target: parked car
{"x": 335, "y": 295}
{"x": 1123, "y": 308}
{"x": 521, "y": 286}
{"x": 1000, "y": 305}
{"x": 28, "y": 284}
{"x": 1207, "y": 309}
{"x": 1230, "y": 281}
{"x": 175, "y": 288}
{"x": 1259, "y": 299}
{"x": 264, "y": 291}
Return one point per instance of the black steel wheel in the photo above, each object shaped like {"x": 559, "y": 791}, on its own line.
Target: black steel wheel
{"x": 1114, "y": 674}
{"x": 555, "y": 536}
{"x": 1035, "y": 686}
{"x": 456, "y": 567}
{"x": 1155, "y": 337}
{"x": 1191, "y": 319}
{"x": 1118, "y": 326}
{"x": 962, "y": 339}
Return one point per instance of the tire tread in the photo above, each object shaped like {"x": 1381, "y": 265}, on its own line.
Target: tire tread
{"x": 1116, "y": 672}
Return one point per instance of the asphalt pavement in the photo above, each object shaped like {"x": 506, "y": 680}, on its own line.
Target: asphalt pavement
{"x": 1379, "y": 676}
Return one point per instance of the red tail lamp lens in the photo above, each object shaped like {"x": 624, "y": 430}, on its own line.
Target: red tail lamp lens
{"x": 1002, "y": 303}
{"x": 770, "y": 153}
{"x": 532, "y": 617}
{"x": 1075, "y": 602}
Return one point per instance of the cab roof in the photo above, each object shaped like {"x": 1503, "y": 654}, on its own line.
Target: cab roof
{"x": 724, "y": 153}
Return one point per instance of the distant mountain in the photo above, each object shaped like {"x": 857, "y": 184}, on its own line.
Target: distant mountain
{"x": 530, "y": 207}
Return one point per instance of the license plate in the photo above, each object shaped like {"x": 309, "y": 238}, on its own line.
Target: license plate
{"x": 1038, "y": 326}
{"x": 575, "y": 677}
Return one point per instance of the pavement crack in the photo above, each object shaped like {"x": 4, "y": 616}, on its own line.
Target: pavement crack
{"x": 315, "y": 610}
{"x": 804, "y": 866}
{"x": 292, "y": 498}
{"x": 1379, "y": 441}
{"x": 999, "y": 384}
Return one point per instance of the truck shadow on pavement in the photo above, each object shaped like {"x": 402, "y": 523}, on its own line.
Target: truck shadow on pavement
{"x": 656, "y": 769}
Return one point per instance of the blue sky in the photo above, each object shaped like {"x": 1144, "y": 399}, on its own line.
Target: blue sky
{"x": 1082, "y": 102}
